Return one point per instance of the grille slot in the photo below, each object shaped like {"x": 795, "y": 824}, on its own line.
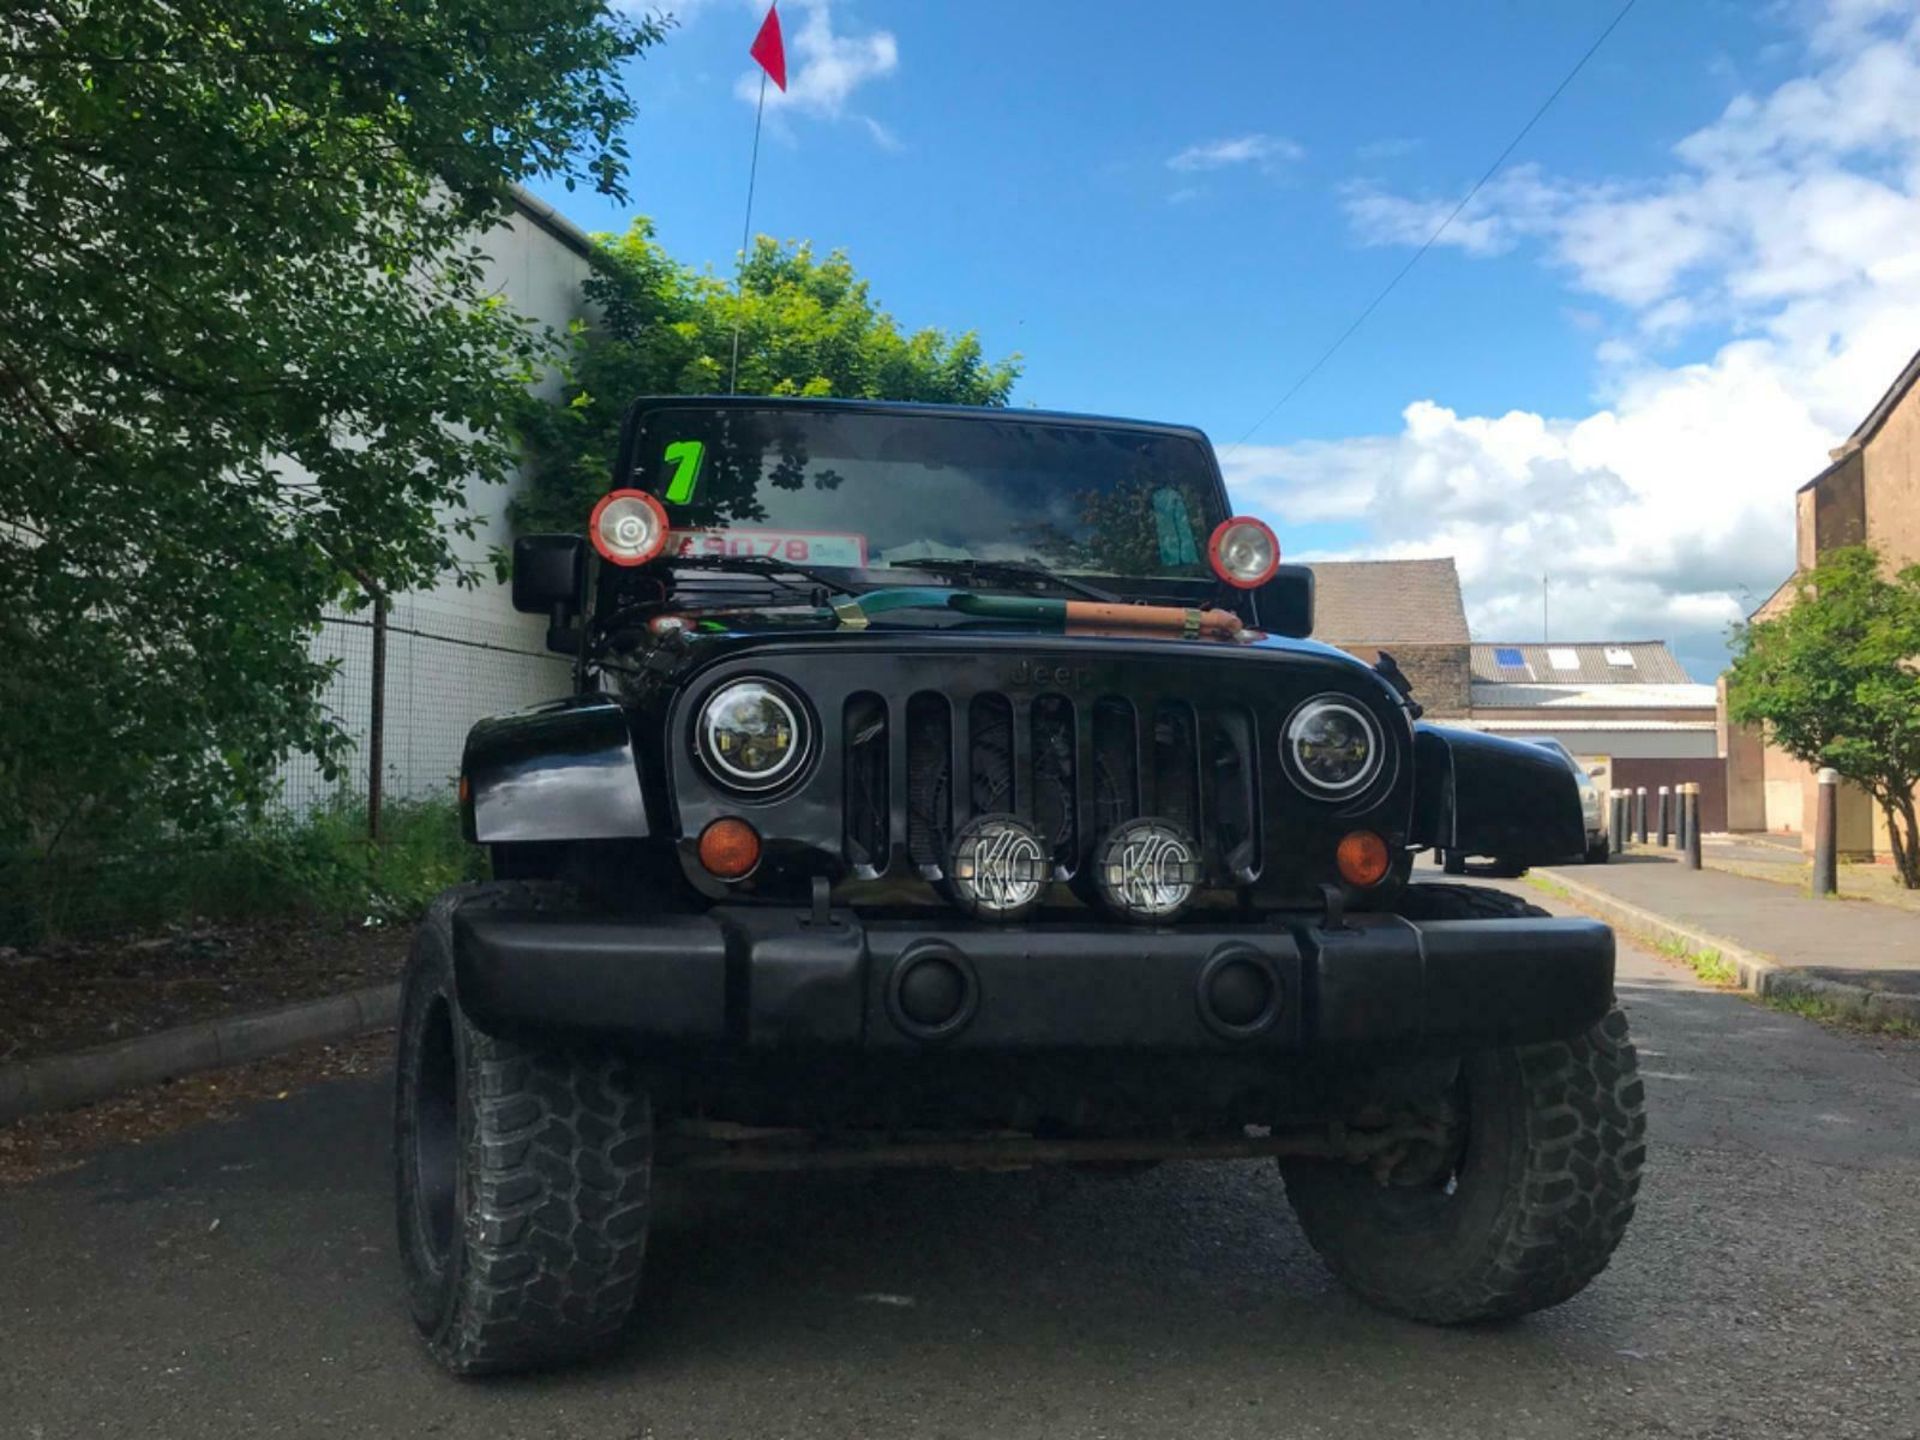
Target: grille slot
{"x": 1116, "y": 763}
{"x": 1229, "y": 783}
{"x": 1054, "y": 774}
{"x": 990, "y": 753}
{"x": 1176, "y": 777}
{"x": 865, "y": 815}
{"x": 929, "y": 780}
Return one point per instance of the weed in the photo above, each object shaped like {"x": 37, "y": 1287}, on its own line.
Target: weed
{"x": 1548, "y": 886}
{"x": 1710, "y": 965}
{"x": 1845, "y": 1017}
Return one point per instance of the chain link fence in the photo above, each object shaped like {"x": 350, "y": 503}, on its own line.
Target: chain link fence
{"x": 442, "y": 672}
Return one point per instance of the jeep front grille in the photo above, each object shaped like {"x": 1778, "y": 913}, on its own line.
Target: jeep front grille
{"x": 1072, "y": 769}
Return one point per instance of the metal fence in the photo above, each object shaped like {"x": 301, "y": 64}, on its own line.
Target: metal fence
{"x": 434, "y": 673}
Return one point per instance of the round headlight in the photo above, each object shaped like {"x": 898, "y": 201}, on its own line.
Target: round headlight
{"x": 628, "y": 527}
{"x": 752, "y": 734}
{"x": 1333, "y": 746}
{"x": 1244, "y": 552}
{"x": 997, "y": 868}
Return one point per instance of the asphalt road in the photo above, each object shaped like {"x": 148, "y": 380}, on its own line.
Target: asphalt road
{"x": 239, "y": 1280}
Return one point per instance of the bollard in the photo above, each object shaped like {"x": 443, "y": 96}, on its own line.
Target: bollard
{"x": 1826, "y": 868}
{"x": 1640, "y": 814}
{"x": 1679, "y": 833}
{"x": 1617, "y": 821}
{"x": 1690, "y": 813}
{"x": 1665, "y": 832}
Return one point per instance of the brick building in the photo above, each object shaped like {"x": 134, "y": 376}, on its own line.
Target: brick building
{"x": 1869, "y": 494}
{"x": 1410, "y": 608}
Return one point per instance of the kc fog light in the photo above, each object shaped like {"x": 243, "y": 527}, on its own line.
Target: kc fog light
{"x": 1148, "y": 870}
{"x": 997, "y": 868}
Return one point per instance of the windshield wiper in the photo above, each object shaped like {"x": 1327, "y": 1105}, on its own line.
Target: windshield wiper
{"x": 766, "y": 565}
{"x": 991, "y": 570}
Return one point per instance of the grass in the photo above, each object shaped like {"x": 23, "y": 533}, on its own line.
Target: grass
{"x": 1547, "y": 886}
{"x": 1845, "y": 1017}
{"x": 320, "y": 864}
{"x": 1709, "y": 964}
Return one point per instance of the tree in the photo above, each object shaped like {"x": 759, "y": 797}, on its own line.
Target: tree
{"x": 807, "y": 327}
{"x": 248, "y": 357}
{"x": 1836, "y": 682}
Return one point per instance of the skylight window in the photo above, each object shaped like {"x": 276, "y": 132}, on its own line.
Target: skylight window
{"x": 1562, "y": 659}
{"x": 1508, "y": 657}
{"x": 1621, "y": 656}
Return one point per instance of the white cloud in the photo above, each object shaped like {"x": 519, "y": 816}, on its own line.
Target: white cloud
{"x": 1262, "y": 150}
{"x": 1791, "y": 224}
{"x": 825, "y": 67}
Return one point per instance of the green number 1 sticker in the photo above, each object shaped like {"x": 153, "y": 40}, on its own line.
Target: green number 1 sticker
{"x": 685, "y": 457}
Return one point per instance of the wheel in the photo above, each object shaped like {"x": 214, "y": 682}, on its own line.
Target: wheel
{"x": 1454, "y": 862}
{"x": 1430, "y": 900}
{"x": 1599, "y": 852}
{"x": 1536, "y": 1196}
{"x": 522, "y": 1173}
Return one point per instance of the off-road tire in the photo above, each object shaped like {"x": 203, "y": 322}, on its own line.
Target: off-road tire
{"x": 1433, "y": 900}
{"x": 1539, "y": 1198}
{"x": 522, "y": 1172}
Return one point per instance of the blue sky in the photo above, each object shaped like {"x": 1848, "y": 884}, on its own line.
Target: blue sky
{"x": 1170, "y": 214}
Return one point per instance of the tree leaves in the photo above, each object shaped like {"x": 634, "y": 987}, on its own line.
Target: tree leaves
{"x": 249, "y": 357}
{"x": 807, "y": 327}
{"x": 1836, "y": 682}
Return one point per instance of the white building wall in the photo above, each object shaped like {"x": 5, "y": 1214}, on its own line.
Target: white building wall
{"x": 1675, "y": 742}
{"x": 454, "y": 655}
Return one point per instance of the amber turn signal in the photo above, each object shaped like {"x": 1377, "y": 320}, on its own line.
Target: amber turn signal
{"x": 1362, "y": 858}
{"x": 729, "y": 848}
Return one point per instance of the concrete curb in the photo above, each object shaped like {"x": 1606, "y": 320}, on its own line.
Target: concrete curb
{"x": 1759, "y": 974}
{"x": 60, "y": 1082}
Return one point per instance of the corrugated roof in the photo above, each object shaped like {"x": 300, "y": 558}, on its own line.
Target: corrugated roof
{"x": 1388, "y": 602}
{"x": 1581, "y": 662}
{"x": 1491, "y": 696}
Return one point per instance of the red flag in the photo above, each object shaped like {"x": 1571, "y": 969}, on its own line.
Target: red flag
{"x": 770, "y": 51}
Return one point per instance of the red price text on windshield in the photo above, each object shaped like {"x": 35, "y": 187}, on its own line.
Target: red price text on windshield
{"x": 802, "y": 547}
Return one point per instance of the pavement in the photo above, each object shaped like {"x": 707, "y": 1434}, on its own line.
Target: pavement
{"x": 240, "y": 1280}
{"x": 1874, "y": 947}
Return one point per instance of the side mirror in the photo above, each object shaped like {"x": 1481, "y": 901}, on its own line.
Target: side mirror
{"x": 549, "y": 578}
{"x": 1284, "y": 604}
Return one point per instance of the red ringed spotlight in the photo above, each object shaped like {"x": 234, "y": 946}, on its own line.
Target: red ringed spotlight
{"x": 629, "y": 527}
{"x": 1244, "y": 552}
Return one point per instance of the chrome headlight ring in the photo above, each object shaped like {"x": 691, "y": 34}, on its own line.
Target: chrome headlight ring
{"x": 753, "y": 734}
{"x": 1331, "y": 747}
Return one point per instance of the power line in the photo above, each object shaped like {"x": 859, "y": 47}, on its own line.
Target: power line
{"x": 1439, "y": 230}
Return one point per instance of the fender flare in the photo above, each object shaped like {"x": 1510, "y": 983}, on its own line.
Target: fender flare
{"x": 1485, "y": 795}
{"x": 566, "y": 770}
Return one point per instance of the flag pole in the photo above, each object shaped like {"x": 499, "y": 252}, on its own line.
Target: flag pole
{"x": 746, "y": 239}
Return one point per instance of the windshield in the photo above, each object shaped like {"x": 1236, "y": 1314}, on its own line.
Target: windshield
{"x": 860, "y": 489}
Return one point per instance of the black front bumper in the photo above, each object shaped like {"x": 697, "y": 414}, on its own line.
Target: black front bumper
{"x": 758, "y": 979}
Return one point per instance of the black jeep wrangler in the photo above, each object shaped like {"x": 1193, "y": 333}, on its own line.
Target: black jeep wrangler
{"x": 960, "y": 788}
